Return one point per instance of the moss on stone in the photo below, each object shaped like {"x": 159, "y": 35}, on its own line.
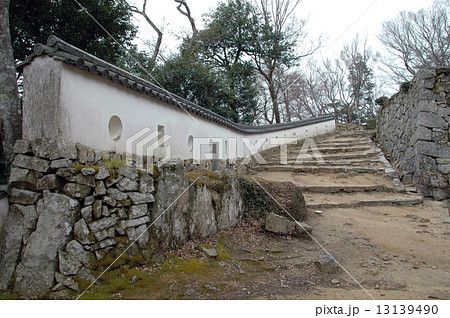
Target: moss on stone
{"x": 262, "y": 196}
{"x": 113, "y": 167}
{"x": 79, "y": 167}
{"x": 219, "y": 183}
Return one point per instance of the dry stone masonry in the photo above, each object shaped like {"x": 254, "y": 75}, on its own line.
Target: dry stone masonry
{"x": 72, "y": 206}
{"x": 413, "y": 128}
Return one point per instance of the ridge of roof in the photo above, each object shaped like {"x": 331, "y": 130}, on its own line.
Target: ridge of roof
{"x": 60, "y": 50}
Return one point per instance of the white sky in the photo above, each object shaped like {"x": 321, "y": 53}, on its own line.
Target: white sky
{"x": 331, "y": 18}
{"x": 337, "y": 20}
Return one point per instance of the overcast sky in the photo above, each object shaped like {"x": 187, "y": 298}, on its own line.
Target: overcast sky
{"x": 337, "y": 20}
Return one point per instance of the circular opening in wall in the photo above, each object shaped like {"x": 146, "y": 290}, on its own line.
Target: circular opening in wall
{"x": 191, "y": 143}
{"x": 115, "y": 128}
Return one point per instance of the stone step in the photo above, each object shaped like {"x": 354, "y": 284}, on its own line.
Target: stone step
{"x": 342, "y": 143}
{"x": 328, "y": 150}
{"x": 318, "y": 169}
{"x": 358, "y": 133}
{"x": 326, "y": 201}
{"x": 346, "y": 188}
{"x": 350, "y": 156}
{"x": 329, "y": 163}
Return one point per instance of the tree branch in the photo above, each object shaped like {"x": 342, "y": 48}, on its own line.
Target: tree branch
{"x": 187, "y": 13}
{"x": 155, "y": 28}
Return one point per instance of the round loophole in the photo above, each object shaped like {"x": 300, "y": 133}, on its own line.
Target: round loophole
{"x": 191, "y": 143}
{"x": 115, "y": 128}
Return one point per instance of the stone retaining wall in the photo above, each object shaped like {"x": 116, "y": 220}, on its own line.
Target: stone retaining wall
{"x": 413, "y": 129}
{"x": 72, "y": 206}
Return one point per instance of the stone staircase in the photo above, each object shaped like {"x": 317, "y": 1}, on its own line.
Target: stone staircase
{"x": 343, "y": 170}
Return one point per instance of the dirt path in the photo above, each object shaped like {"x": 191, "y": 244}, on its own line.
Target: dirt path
{"x": 391, "y": 243}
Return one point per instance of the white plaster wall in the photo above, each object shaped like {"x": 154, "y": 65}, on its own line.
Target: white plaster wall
{"x": 88, "y": 102}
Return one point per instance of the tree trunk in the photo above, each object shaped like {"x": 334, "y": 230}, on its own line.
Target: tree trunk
{"x": 274, "y": 98}
{"x": 10, "y": 112}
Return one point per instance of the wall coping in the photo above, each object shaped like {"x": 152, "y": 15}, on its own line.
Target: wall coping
{"x": 64, "y": 52}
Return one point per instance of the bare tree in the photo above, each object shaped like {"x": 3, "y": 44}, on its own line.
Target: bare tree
{"x": 277, "y": 52}
{"x": 357, "y": 56}
{"x": 10, "y": 112}
{"x": 154, "y": 27}
{"x": 417, "y": 39}
{"x": 187, "y": 12}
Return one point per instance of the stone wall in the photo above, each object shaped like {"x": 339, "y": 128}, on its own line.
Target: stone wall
{"x": 413, "y": 129}
{"x": 72, "y": 206}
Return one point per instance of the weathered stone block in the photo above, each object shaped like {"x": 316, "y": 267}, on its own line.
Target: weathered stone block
{"x": 441, "y": 194}
{"x": 432, "y": 149}
{"x": 437, "y": 180}
{"x": 110, "y": 181}
{"x": 426, "y": 106}
{"x": 23, "y": 178}
{"x": 81, "y": 232}
{"x": 61, "y": 148}
{"x": 35, "y": 273}
{"x": 66, "y": 172}
{"x": 140, "y": 198}
{"x": 117, "y": 194}
{"x": 104, "y": 234}
{"x": 89, "y": 200}
{"x": 327, "y": 263}
{"x": 40, "y": 147}
{"x": 127, "y": 184}
{"x": 100, "y": 189}
{"x": 49, "y": 182}
{"x": 84, "y": 180}
{"x": 29, "y": 216}
{"x": 97, "y": 209}
{"x": 102, "y": 224}
{"x": 422, "y": 133}
{"x": 203, "y": 220}
{"x": 104, "y": 244}
{"x": 77, "y": 190}
{"x": 279, "y": 224}
{"x": 25, "y": 197}
{"x": 86, "y": 213}
{"x": 76, "y": 250}
{"x": 82, "y": 153}
{"x": 68, "y": 264}
{"x": 134, "y": 222}
{"x": 105, "y": 211}
{"x": 10, "y": 246}
{"x": 426, "y": 73}
{"x": 444, "y": 169}
{"x": 439, "y": 135}
{"x": 171, "y": 219}
{"x": 67, "y": 282}
{"x": 137, "y": 211}
{"x": 431, "y": 120}
{"x": 88, "y": 172}
{"x": 109, "y": 201}
{"x": 303, "y": 228}
{"x": 139, "y": 234}
{"x": 22, "y": 146}
{"x": 31, "y": 163}
{"x": 90, "y": 156}
{"x": 102, "y": 174}
{"x": 129, "y": 172}
{"x": 146, "y": 183}
{"x": 61, "y": 163}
